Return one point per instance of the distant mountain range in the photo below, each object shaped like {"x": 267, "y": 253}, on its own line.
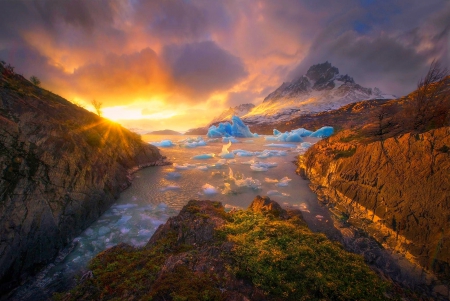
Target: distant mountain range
{"x": 321, "y": 89}
{"x": 164, "y": 132}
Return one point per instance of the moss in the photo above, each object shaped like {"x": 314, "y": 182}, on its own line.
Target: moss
{"x": 289, "y": 262}
{"x": 344, "y": 153}
{"x": 281, "y": 258}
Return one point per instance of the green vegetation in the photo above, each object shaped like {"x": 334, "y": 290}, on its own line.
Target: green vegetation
{"x": 289, "y": 262}
{"x": 35, "y": 80}
{"x": 282, "y": 259}
{"x": 344, "y": 153}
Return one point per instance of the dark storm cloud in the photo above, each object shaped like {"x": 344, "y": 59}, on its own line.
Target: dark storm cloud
{"x": 201, "y": 46}
{"x": 388, "y": 57}
{"x": 203, "y": 68}
{"x": 172, "y": 18}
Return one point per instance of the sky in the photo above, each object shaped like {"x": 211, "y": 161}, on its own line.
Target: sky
{"x": 178, "y": 63}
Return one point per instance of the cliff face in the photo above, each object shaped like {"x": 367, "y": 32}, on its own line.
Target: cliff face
{"x": 398, "y": 188}
{"x": 61, "y": 167}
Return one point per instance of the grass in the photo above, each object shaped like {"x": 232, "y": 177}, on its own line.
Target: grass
{"x": 289, "y": 262}
{"x": 282, "y": 258}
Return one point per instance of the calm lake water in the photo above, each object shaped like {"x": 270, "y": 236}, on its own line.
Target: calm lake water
{"x": 259, "y": 167}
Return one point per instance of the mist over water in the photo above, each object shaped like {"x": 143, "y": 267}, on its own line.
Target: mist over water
{"x": 158, "y": 193}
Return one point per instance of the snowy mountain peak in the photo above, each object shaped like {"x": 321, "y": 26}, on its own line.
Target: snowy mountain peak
{"x": 322, "y": 88}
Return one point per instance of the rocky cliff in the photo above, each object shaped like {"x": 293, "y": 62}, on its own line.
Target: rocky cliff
{"x": 204, "y": 253}
{"x": 397, "y": 189}
{"x": 61, "y": 167}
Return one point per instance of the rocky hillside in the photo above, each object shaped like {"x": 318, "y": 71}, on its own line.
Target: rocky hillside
{"x": 239, "y": 111}
{"x": 61, "y": 167}
{"x": 204, "y": 253}
{"x": 321, "y": 89}
{"x": 389, "y": 175}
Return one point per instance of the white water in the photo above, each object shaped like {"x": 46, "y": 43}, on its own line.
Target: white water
{"x": 160, "y": 192}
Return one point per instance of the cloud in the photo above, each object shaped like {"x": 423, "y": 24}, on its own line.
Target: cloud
{"x": 217, "y": 53}
{"x": 202, "y": 68}
{"x": 122, "y": 79}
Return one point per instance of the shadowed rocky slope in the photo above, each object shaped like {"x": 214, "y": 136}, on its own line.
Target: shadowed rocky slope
{"x": 61, "y": 167}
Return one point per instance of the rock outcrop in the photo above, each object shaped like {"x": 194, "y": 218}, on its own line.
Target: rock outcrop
{"x": 61, "y": 168}
{"x": 204, "y": 253}
{"x": 396, "y": 188}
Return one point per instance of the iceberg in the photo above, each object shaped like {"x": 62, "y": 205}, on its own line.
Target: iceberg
{"x": 172, "y": 175}
{"x": 170, "y": 187}
{"x": 230, "y": 139}
{"x": 209, "y": 189}
{"x": 283, "y": 182}
{"x": 225, "y": 154}
{"x": 163, "y": 143}
{"x": 323, "y": 132}
{"x": 203, "y": 156}
{"x": 292, "y": 136}
{"x": 192, "y": 142}
{"x": 280, "y": 145}
{"x": 258, "y": 168}
{"x": 237, "y": 128}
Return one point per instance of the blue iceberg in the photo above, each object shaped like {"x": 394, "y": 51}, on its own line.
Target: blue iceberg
{"x": 237, "y": 128}
{"x": 163, "y": 143}
{"x": 323, "y": 132}
{"x": 292, "y": 136}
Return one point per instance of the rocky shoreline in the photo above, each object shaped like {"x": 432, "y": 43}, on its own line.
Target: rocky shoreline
{"x": 61, "y": 168}
{"x": 389, "y": 221}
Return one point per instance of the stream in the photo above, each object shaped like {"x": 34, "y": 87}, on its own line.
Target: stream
{"x": 259, "y": 167}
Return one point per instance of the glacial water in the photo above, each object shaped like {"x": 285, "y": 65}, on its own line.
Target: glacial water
{"x": 253, "y": 166}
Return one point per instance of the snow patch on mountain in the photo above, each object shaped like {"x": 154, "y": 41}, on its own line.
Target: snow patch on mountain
{"x": 322, "y": 88}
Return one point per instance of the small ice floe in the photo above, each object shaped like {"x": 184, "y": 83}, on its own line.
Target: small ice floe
{"x": 172, "y": 175}
{"x": 319, "y": 217}
{"x": 304, "y": 207}
{"x": 123, "y": 220}
{"x": 273, "y": 193}
{"x": 192, "y": 142}
{"x": 251, "y": 162}
{"x": 269, "y": 180}
{"x": 225, "y": 154}
{"x": 219, "y": 163}
{"x": 284, "y": 182}
{"x": 163, "y": 143}
{"x": 271, "y": 153}
{"x": 202, "y": 167}
{"x": 124, "y": 230}
{"x": 184, "y": 166}
{"x": 170, "y": 187}
{"x": 103, "y": 230}
{"x": 213, "y": 140}
{"x": 230, "y": 139}
{"x": 256, "y": 167}
{"x": 249, "y": 141}
{"x": 260, "y": 166}
{"x": 203, "y": 156}
{"x": 243, "y": 153}
{"x": 209, "y": 189}
{"x": 232, "y": 161}
{"x": 286, "y": 145}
